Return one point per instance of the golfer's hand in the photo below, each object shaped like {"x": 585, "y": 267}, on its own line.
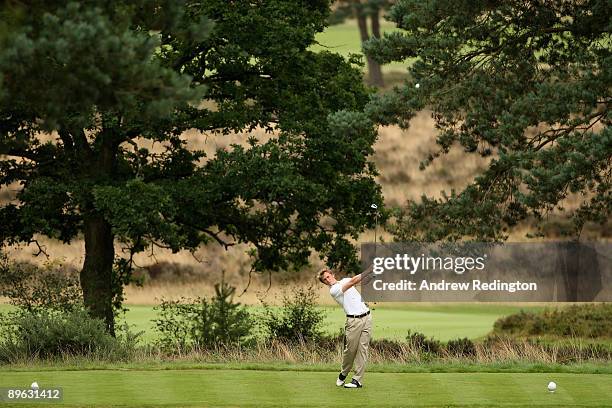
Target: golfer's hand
{"x": 366, "y": 276}
{"x": 368, "y": 270}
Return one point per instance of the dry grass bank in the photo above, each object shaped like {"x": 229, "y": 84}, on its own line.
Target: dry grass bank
{"x": 503, "y": 354}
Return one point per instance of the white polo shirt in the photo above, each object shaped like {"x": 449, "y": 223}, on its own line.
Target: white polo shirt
{"x": 350, "y": 300}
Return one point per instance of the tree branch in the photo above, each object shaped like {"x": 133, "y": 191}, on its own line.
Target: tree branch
{"x": 218, "y": 239}
{"x": 18, "y": 152}
{"x": 41, "y": 249}
{"x": 557, "y": 133}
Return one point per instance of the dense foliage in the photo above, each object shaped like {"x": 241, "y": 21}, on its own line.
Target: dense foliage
{"x": 526, "y": 83}
{"x": 52, "y": 334}
{"x": 299, "y": 319}
{"x": 87, "y": 87}
{"x": 204, "y": 323}
{"x": 33, "y": 288}
{"x": 586, "y": 321}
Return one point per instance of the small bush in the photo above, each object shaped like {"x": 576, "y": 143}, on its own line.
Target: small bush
{"x": 226, "y": 321}
{"x": 48, "y": 333}
{"x": 461, "y": 348}
{"x": 588, "y": 321}
{"x": 203, "y": 323}
{"x": 421, "y": 343}
{"x": 175, "y": 322}
{"x": 297, "y": 320}
{"x": 32, "y": 288}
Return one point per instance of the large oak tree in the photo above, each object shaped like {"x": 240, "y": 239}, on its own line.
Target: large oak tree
{"x": 103, "y": 76}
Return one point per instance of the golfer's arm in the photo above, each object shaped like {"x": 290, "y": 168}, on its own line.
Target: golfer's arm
{"x": 356, "y": 279}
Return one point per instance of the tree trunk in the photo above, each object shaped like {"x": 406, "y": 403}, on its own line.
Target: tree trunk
{"x": 97, "y": 272}
{"x": 374, "y": 72}
{"x": 96, "y": 275}
{"x": 376, "y": 77}
{"x": 361, "y": 21}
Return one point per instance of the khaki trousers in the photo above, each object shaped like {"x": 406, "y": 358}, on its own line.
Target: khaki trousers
{"x": 357, "y": 334}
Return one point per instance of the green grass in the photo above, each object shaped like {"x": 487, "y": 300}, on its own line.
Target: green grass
{"x": 79, "y": 363}
{"x": 444, "y": 322}
{"x": 246, "y": 388}
{"x": 391, "y": 321}
{"x": 344, "y": 39}
{"x": 283, "y": 384}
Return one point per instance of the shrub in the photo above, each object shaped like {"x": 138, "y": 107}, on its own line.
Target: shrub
{"x": 226, "y": 321}
{"x": 203, "y": 323}
{"x": 32, "y": 288}
{"x": 175, "y": 322}
{"x": 421, "y": 343}
{"x": 50, "y": 320}
{"x": 45, "y": 333}
{"x": 588, "y": 320}
{"x": 461, "y": 348}
{"x": 297, "y": 320}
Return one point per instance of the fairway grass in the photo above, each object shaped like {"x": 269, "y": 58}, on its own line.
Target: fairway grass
{"x": 249, "y": 388}
{"x": 391, "y": 321}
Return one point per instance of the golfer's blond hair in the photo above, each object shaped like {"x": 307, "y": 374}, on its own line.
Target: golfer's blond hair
{"x": 322, "y": 272}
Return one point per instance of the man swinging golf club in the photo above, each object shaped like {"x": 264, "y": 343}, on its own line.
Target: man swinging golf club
{"x": 358, "y": 327}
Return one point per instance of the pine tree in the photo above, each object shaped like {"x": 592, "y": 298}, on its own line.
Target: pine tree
{"x": 526, "y": 84}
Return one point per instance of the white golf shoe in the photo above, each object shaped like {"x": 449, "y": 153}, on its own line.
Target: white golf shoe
{"x": 353, "y": 384}
{"x": 340, "y": 380}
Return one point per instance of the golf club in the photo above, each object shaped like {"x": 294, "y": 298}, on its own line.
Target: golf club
{"x": 375, "y": 207}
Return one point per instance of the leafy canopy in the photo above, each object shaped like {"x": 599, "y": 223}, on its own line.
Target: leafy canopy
{"x": 104, "y": 77}
{"x": 524, "y": 83}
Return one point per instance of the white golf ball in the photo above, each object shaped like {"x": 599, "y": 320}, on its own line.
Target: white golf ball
{"x": 34, "y": 385}
{"x": 552, "y": 386}
{"x": 417, "y": 86}
{"x": 374, "y": 206}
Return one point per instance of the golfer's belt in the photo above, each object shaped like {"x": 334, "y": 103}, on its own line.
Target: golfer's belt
{"x": 359, "y": 316}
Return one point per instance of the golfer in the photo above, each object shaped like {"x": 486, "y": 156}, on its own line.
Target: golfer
{"x": 358, "y": 327}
